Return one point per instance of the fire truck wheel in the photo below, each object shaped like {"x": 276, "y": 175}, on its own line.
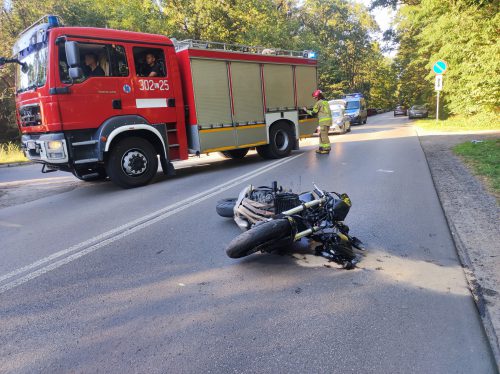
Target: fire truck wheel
{"x": 281, "y": 141}
{"x": 237, "y": 154}
{"x": 132, "y": 163}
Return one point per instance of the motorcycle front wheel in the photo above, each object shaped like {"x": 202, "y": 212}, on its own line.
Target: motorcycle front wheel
{"x": 264, "y": 236}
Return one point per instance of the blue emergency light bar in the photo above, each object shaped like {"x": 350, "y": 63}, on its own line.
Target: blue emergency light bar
{"x": 310, "y": 54}
{"x": 53, "y": 21}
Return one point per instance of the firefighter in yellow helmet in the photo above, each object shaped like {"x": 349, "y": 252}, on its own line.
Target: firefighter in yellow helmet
{"x": 322, "y": 110}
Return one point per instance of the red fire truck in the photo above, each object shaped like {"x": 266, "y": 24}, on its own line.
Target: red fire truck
{"x": 100, "y": 102}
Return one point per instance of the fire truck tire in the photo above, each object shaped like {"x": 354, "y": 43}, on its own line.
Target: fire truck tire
{"x": 132, "y": 162}
{"x": 236, "y": 154}
{"x": 265, "y": 237}
{"x": 281, "y": 141}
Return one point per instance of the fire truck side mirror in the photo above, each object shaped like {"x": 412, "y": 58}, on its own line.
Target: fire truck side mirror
{"x": 72, "y": 54}
{"x": 75, "y": 73}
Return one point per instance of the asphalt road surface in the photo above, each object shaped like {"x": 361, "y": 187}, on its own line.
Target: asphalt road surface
{"x": 94, "y": 278}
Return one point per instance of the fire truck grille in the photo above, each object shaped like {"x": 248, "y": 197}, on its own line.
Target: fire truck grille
{"x": 29, "y": 115}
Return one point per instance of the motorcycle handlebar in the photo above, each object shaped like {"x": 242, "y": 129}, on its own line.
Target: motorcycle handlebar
{"x": 300, "y": 208}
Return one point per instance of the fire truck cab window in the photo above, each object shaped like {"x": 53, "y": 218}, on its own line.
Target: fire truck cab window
{"x": 96, "y": 60}
{"x": 149, "y": 62}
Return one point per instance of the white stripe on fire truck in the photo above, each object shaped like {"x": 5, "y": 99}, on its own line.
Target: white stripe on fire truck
{"x": 151, "y": 103}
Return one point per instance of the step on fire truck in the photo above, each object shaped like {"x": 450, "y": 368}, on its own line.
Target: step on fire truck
{"x": 100, "y": 102}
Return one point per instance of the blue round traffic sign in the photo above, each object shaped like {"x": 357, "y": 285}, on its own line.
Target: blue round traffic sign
{"x": 440, "y": 67}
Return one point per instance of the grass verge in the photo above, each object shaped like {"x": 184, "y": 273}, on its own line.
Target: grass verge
{"x": 487, "y": 121}
{"x": 11, "y": 153}
{"x": 484, "y": 158}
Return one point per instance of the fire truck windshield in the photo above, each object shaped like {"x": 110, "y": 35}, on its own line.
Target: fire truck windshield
{"x": 36, "y": 73}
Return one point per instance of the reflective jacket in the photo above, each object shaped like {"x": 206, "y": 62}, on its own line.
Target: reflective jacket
{"x": 322, "y": 109}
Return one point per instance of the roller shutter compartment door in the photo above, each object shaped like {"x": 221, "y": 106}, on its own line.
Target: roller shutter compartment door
{"x": 211, "y": 92}
{"x": 279, "y": 87}
{"x": 306, "y": 80}
{"x": 247, "y": 92}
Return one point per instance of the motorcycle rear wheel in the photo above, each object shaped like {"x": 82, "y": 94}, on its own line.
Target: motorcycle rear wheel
{"x": 264, "y": 236}
{"x": 225, "y": 207}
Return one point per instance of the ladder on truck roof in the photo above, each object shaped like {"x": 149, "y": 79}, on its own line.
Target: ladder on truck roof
{"x": 219, "y": 46}
{"x": 50, "y": 19}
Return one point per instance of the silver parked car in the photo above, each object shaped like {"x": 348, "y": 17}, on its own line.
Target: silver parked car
{"x": 340, "y": 120}
{"x": 400, "y": 111}
{"x": 418, "y": 111}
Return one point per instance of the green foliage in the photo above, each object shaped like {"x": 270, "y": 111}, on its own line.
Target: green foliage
{"x": 339, "y": 30}
{"x": 482, "y": 121}
{"x": 463, "y": 33}
{"x": 484, "y": 157}
{"x": 10, "y": 153}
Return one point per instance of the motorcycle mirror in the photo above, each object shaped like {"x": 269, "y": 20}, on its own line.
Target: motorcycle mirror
{"x": 320, "y": 192}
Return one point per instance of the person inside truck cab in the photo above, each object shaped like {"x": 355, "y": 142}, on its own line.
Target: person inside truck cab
{"x": 92, "y": 69}
{"x": 153, "y": 67}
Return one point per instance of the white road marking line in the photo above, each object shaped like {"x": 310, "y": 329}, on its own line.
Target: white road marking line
{"x": 122, "y": 231}
{"x": 385, "y": 171}
{"x": 37, "y": 181}
{"x": 8, "y": 224}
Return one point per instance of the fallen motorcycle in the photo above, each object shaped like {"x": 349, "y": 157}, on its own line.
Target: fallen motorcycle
{"x": 276, "y": 218}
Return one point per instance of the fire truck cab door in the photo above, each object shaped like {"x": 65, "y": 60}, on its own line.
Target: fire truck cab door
{"x": 95, "y": 97}
{"x": 150, "y": 93}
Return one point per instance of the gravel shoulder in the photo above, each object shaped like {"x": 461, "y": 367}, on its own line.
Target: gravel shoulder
{"x": 473, "y": 216}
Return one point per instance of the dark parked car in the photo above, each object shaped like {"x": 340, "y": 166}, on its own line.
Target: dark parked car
{"x": 418, "y": 111}
{"x": 371, "y": 111}
{"x": 400, "y": 111}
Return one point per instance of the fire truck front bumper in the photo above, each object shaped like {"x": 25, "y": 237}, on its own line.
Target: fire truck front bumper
{"x": 46, "y": 148}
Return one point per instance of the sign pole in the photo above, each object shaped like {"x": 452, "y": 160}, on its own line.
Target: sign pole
{"x": 437, "y": 107}
{"x": 439, "y": 68}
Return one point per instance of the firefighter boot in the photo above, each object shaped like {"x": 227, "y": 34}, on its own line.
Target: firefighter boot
{"x": 323, "y": 151}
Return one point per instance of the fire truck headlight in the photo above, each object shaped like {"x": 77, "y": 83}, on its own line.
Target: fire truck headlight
{"x": 54, "y": 144}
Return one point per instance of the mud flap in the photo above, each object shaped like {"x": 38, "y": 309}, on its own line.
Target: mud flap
{"x": 167, "y": 167}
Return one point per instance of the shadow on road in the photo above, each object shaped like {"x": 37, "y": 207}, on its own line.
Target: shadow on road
{"x": 169, "y": 314}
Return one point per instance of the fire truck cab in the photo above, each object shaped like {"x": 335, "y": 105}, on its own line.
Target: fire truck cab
{"x": 101, "y": 102}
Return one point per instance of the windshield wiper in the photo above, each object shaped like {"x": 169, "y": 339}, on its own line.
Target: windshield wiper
{"x": 30, "y": 87}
